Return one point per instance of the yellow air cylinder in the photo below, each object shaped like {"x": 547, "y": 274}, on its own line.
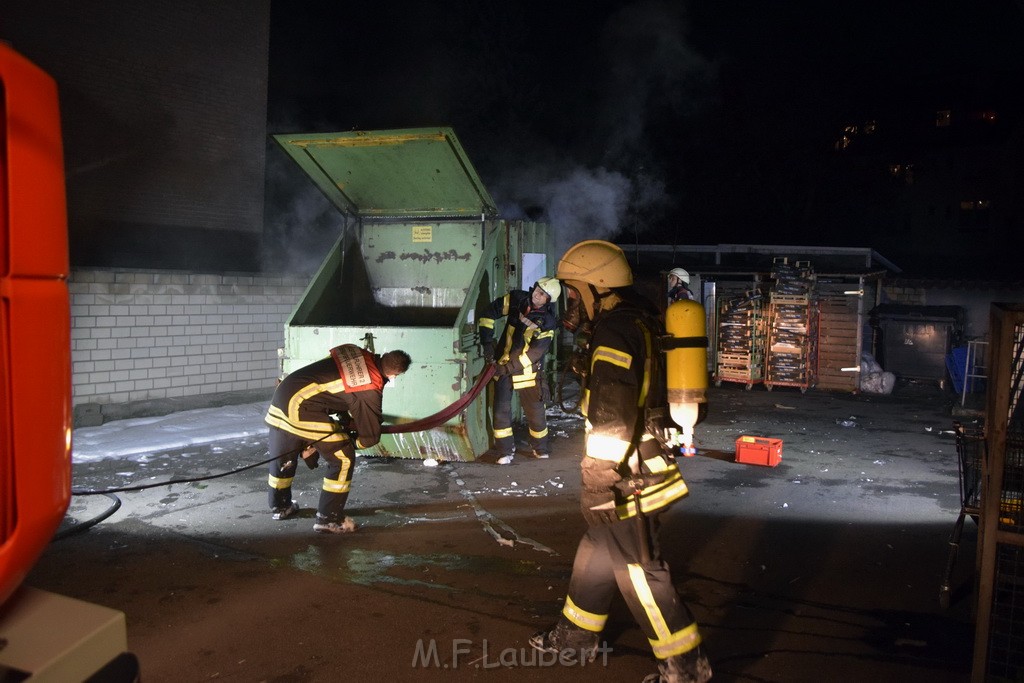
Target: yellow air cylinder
{"x": 686, "y": 366}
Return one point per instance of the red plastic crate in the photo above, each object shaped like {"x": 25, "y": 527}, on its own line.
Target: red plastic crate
{"x": 759, "y": 450}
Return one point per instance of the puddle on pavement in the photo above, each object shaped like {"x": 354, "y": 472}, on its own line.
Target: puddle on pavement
{"x": 369, "y": 567}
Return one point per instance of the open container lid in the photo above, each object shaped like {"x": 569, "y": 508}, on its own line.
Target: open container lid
{"x": 408, "y": 173}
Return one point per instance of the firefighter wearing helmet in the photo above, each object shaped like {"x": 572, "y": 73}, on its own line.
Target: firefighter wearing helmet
{"x": 679, "y": 285}
{"x": 519, "y": 353}
{"x": 629, "y": 476}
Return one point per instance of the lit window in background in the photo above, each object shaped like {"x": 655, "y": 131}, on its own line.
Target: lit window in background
{"x": 904, "y": 172}
{"x": 870, "y": 127}
{"x": 975, "y": 214}
{"x": 846, "y": 139}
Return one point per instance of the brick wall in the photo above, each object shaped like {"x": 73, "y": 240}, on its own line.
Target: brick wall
{"x": 173, "y": 338}
{"x": 896, "y": 293}
{"x": 164, "y": 119}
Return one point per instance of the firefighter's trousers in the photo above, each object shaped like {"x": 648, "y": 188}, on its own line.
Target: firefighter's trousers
{"x": 532, "y": 401}
{"x": 338, "y": 467}
{"x": 609, "y": 558}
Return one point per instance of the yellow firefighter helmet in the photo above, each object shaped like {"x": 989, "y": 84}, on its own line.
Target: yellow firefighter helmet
{"x": 595, "y": 262}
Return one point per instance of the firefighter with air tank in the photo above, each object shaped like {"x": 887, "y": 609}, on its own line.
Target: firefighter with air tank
{"x": 641, "y": 395}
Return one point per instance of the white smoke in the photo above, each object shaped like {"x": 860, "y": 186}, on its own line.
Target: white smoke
{"x": 301, "y": 224}
{"x": 577, "y": 203}
{"x": 650, "y": 61}
{"x": 611, "y": 185}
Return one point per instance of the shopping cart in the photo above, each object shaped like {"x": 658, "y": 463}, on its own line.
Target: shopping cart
{"x": 970, "y": 447}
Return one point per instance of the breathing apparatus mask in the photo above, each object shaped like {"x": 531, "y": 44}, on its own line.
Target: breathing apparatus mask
{"x": 576, "y": 320}
{"x": 574, "y": 313}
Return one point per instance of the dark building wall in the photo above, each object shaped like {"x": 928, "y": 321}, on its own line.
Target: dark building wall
{"x": 163, "y": 107}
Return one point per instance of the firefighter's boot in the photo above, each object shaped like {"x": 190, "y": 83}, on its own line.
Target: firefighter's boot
{"x": 497, "y": 456}
{"x": 693, "y": 667}
{"x": 566, "y": 637}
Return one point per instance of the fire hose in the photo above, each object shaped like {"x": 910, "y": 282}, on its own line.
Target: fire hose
{"x": 442, "y": 416}
{"x": 421, "y": 424}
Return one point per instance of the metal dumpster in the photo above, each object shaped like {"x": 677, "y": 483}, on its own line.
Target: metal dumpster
{"x": 915, "y": 340}
{"x": 421, "y": 251}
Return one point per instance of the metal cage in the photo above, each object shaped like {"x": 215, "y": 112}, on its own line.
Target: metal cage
{"x": 999, "y": 630}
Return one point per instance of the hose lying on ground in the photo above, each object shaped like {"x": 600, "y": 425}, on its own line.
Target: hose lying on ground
{"x": 421, "y": 424}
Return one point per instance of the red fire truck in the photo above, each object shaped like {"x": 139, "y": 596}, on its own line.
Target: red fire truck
{"x": 42, "y": 635}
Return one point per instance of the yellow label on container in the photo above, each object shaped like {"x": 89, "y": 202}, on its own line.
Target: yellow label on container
{"x": 422, "y": 233}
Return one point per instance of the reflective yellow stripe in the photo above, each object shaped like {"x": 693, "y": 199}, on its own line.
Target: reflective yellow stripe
{"x": 505, "y": 304}
{"x": 607, "y": 448}
{"x": 487, "y": 322}
{"x": 665, "y": 644}
{"x": 299, "y": 397}
{"x": 279, "y": 482}
{"x": 506, "y": 344}
{"x": 525, "y": 377}
{"x": 524, "y": 360}
{"x": 306, "y": 428}
{"x": 677, "y": 643}
{"x": 335, "y": 486}
{"x": 655, "y": 497}
{"x": 582, "y": 618}
{"x": 341, "y": 484}
{"x": 657, "y": 464}
{"x": 610, "y": 355}
{"x": 523, "y": 382}
{"x": 503, "y": 433}
{"x": 539, "y": 435}
{"x": 327, "y": 437}
{"x": 638, "y": 577}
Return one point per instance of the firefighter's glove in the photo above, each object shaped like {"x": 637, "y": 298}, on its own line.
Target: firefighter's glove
{"x": 311, "y": 457}
{"x": 598, "y": 492}
{"x": 578, "y": 363}
{"x": 502, "y": 369}
{"x": 488, "y": 351}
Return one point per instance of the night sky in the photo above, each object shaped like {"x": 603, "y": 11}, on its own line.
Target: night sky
{"x": 685, "y": 122}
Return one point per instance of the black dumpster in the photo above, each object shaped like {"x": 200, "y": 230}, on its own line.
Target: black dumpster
{"x": 913, "y": 341}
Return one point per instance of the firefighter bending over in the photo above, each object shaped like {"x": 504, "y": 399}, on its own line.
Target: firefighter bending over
{"x": 629, "y": 477}
{"x": 348, "y": 384}
{"x": 519, "y": 355}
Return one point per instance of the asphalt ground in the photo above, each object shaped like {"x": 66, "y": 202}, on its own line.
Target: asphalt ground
{"x": 825, "y": 567}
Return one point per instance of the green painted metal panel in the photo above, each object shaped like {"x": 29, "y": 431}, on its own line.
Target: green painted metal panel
{"x": 408, "y": 173}
{"x": 438, "y": 376}
{"x": 421, "y": 255}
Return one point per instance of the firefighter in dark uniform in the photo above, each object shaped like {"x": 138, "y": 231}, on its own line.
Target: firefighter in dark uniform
{"x": 624, "y": 467}
{"x": 348, "y": 384}
{"x": 519, "y": 353}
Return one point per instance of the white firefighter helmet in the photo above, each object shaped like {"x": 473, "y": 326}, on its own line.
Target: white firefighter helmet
{"x": 550, "y": 286}
{"x": 594, "y": 266}
{"x": 681, "y": 274}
